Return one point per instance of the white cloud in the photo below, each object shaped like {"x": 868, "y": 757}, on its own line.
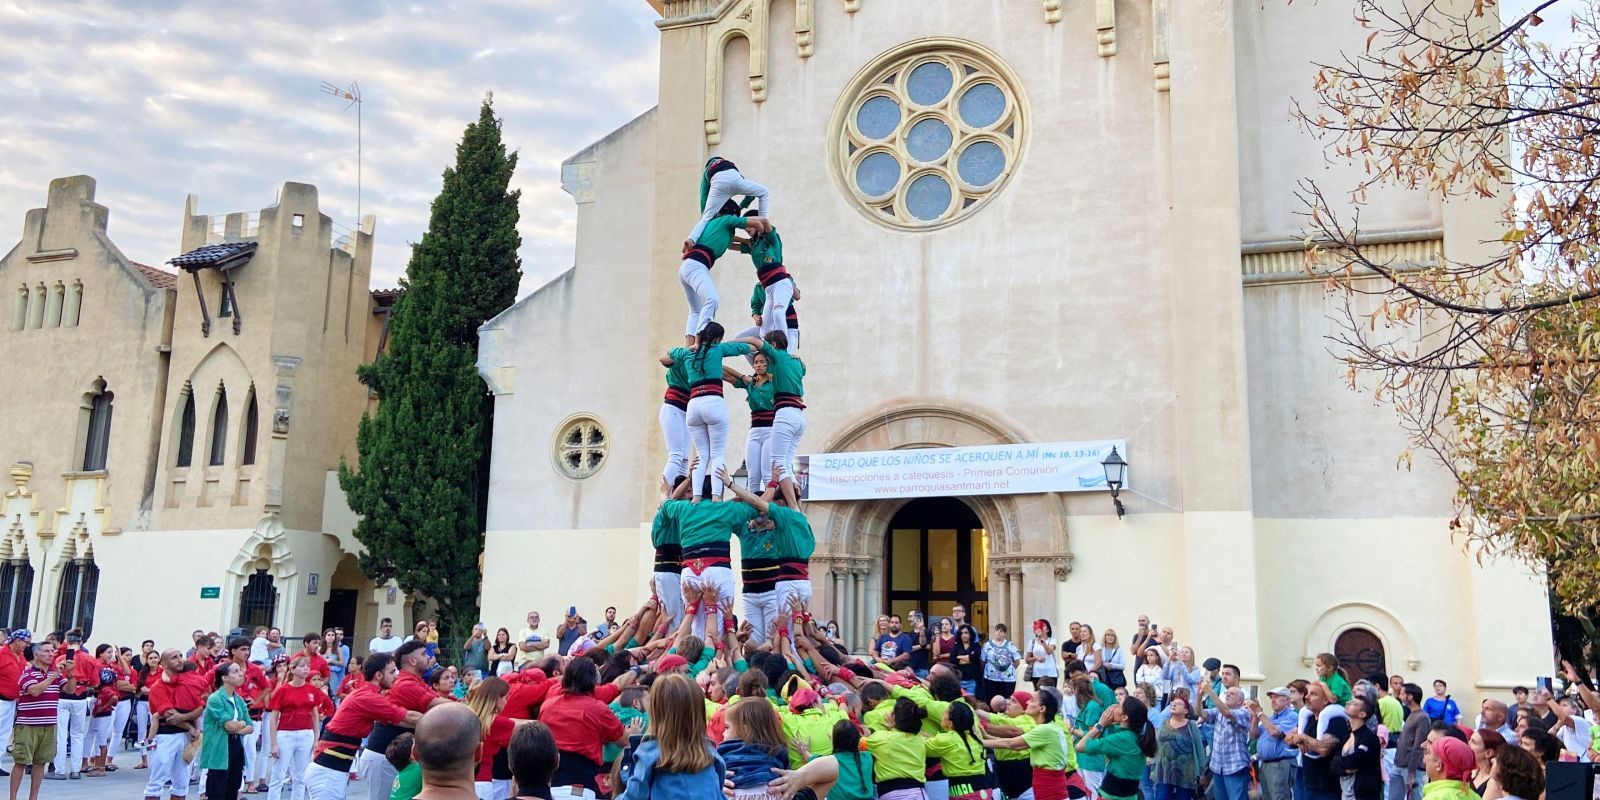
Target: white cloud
{"x": 159, "y": 99}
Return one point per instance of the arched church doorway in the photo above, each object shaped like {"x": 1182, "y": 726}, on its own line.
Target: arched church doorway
{"x": 937, "y": 556}
{"x": 1360, "y": 652}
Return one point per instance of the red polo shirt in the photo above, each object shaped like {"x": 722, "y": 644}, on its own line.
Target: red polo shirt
{"x": 11, "y": 665}
{"x": 582, "y": 724}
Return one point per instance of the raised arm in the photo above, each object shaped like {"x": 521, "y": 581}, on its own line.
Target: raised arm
{"x": 667, "y": 361}
{"x": 740, "y": 492}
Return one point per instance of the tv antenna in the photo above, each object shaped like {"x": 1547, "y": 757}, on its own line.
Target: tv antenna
{"x": 352, "y": 95}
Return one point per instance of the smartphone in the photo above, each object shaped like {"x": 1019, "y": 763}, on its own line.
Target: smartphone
{"x": 1545, "y": 682}
{"x": 572, "y": 611}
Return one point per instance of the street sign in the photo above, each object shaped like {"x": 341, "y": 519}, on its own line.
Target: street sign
{"x": 210, "y": 592}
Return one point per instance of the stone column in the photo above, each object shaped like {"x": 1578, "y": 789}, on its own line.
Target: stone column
{"x": 1018, "y": 618}
{"x": 863, "y": 618}
{"x": 836, "y": 597}
{"x": 999, "y": 599}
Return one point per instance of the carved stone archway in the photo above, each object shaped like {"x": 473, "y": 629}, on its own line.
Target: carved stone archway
{"x": 267, "y": 542}
{"x": 1323, "y": 634}
{"x": 1028, "y": 550}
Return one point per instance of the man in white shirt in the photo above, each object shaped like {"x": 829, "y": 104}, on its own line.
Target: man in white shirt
{"x": 1571, "y": 728}
{"x": 531, "y": 645}
{"x": 385, "y": 641}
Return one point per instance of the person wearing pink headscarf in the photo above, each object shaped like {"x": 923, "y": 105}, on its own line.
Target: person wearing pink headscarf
{"x": 1449, "y": 763}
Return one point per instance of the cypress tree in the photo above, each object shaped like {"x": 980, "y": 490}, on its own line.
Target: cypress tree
{"x": 421, "y": 486}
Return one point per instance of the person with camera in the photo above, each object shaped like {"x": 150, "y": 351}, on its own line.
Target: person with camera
{"x": 72, "y": 755}
{"x": 40, "y": 687}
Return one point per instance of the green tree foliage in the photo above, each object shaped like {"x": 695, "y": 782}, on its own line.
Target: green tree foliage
{"x": 421, "y": 483}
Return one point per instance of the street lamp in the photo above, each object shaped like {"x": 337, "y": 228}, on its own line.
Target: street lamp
{"x": 1116, "y": 471}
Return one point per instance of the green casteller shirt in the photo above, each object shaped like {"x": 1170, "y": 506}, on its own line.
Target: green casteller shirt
{"x": 718, "y": 234}
{"x": 1339, "y": 688}
{"x": 766, "y": 250}
{"x": 933, "y": 724}
{"x": 758, "y": 300}
{"x": 855, "y": 778}
{"x": 678, "y": 373}
{"x": 757, "y": 395}
{"x": 1119, "y": 748}
{"x": 961, "y": 757}
{"x": 1087, "y": 717}
{"x": 1050, "y": 747}
{"x": 664, "y": 528}
{"x": 1025, "y": 723}
{"x": 814, "y": 726}
{"x": 898, "y": 755}
{"x": 791, "y": 534}
{"x": 877, "y": 717}
{"x": 788, "y": 372}
{"x": 407, "y": 782}
{"x": 707, "y": 523}
{"x": 710, "y": 366}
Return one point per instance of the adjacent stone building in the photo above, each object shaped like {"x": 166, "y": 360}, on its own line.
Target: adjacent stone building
{"x": 1013, "y": 222}
{"x": 171, "y": 433}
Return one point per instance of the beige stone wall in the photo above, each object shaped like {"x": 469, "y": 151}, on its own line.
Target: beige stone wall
{"x": 158, "y": 534}
{"x": 54, "y": 360}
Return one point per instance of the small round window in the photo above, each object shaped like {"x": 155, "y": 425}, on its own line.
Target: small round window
{"x": 928, "y": 133}
{"x": 580, "y": 447}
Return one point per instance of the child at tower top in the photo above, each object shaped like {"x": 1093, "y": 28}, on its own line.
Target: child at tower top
{"x": 720, "y": 181}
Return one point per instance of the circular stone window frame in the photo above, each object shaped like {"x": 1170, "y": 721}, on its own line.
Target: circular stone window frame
{"x": 888, "y": 75}
{"x": 559, "y": 448}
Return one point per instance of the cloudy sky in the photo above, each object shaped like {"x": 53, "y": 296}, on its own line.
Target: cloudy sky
{"x": 157, "y": 99}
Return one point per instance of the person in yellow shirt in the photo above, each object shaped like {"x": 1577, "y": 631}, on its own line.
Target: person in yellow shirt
{"x": 900, "y": 754}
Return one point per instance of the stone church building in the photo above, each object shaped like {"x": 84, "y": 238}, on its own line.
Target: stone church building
{"x": 1020, "y": 222}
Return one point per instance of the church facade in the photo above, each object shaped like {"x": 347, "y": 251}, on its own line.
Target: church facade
{"x": 170, "y": 433}
{"x": 1020, "y": 222}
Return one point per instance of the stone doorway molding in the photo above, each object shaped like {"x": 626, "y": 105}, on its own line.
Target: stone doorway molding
{"x": 1028, "y": 551}
{"x": 1324, "y": 632}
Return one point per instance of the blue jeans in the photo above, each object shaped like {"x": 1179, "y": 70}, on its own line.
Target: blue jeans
{"x": 1300, "y": 784}
{"x": 1167, "y": 791}
{"x": 970, "y": 687}
{"x": 1235, "y": 786}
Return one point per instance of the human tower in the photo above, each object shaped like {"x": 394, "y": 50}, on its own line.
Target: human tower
{"x": 693, "y": 530}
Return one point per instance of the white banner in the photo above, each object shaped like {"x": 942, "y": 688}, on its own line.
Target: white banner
{"x": 950, "y": 471}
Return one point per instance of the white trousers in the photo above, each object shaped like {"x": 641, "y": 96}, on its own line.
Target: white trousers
{"x": 758, "y": 459}
{"x": 289, "y": 768}
{"x": 141, "y": 718}
{"x": 71, "y": 726}
{"x": 708, "y": 429}
{"x": 378, "y": 772}
{"x": 675, "y": 431}
{"x": 722, "y": 579}
{"x": 701, "y": 293}
{"x": 724, "y": 185}
{"x": 254, "y": 759}
{"x": 119, "y": 723}
{"x": 788, "y": 425}
{"x": 669, "y": 587}
{"x": 792, "y": 592}
{"x": 760, "y": 610}
{"x": 99, "y": 734}
{"x": 167, "y": 765}
{"x": 327, "y": 784}
{"x": 8, "y": 719}
{"x": 774, "y": 315}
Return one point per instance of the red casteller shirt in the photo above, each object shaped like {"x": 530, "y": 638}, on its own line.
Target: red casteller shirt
{"x": 319, "y": 665}
{"x": 528, "y": 696}
{"x": 295, "y": 706}
{"x": 582, "y": 724}
{"x": 498, "y": 738}
{"x": 85, "y": 667}
{"x": 359, "y": 711}
{"x": 351, "y": 683}
{"x": 11, "y": 665}
{"x": 411, "y": 693}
